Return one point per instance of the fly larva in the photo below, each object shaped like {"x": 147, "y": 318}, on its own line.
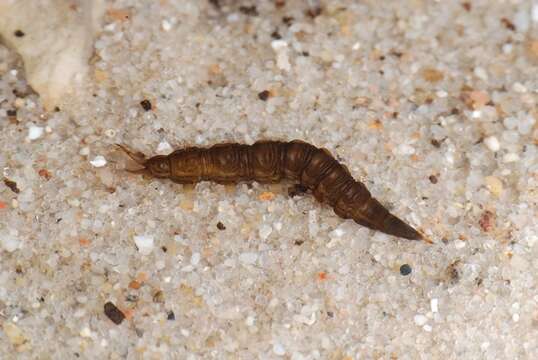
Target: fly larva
{"x": 312, "y": 168}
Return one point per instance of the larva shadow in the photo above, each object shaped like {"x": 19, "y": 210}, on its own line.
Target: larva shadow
{"x": 312, "y": 169}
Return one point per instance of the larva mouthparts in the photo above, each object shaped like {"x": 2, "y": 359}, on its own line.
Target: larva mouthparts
{"x": 137, "y": 157}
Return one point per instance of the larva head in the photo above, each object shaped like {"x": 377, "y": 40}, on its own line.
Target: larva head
{"x": 159, "y": 166}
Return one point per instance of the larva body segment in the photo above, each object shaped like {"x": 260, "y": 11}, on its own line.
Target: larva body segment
{"x": 271, "y": 161}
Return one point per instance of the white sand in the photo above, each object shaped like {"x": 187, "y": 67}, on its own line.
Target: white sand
{"x": 403, "y": 92}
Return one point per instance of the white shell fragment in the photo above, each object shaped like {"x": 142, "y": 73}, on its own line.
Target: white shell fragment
{"x": 35, "y": 132}
{"x": 420, "y": 319}
{"x": 98, "y": 161}
{"x": 281, "y": 49}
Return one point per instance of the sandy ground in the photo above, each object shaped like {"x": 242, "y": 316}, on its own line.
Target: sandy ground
{"x": 432, "y": 104}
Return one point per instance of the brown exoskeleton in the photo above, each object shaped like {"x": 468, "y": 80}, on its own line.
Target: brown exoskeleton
{"x": 310, "y": 167}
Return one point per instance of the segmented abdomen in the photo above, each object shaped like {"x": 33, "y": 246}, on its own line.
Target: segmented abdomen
{"x": 270, "y": 161}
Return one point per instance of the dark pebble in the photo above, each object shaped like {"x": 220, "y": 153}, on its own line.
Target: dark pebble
{"x": 171, "y": 315}
{"x": 314, "y": 12}
{"x": 12, "y": 185}
{"x": 508, "y": 24}
{"x": 405, "y": 269}
{"x": 221, "y": 226}
{"x": 113, "y": 313}
{"x": 249, "y": 10}
{"x": 146, "y": 104}
{"x": 296, "y": 190}
{"x": 158, "y": 297}
{"x": 19, "y": 33}
{"x": 12, "y": 112}
{"x": 264, "y": 95}
{"x": 288, "y": 20}
{"x": 275, "y": 35}
{"x": 433, "y": 179}
{"x": 435, "y": 143}
{"x": 131, "y": 298}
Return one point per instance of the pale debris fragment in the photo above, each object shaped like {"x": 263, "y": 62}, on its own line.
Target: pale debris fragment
{"x": 525, "y": 126}
{"x": 434, "y": 304}
{"x": 98, "y": 161}
{"x": 86, "y": 332}
{"x": 144, "y": 243}
{"x": 265, "y": 231}
{"x": 166, "y": 25}
{"x": 507, "y": 48}
{"x": 35, "y": 132}
{"x": 14, "y": 333}
{"x": 458, "y": 244}
{"x": 281, "y": 49}
{"x": 338, "y": 232}
{"x": 164, "y": 148}
{"x": 519, "y": 87}
{"x": 187, "y": 268}
{"x": 56, "y": 44}
{"x": 534, "y": 12}
{"x": 278, "y": 349}
{"x": 404, "y": 149}
{"x": 313, "y": 226}
{"x": 510, "y": 157}
{"x": 85, "y": 151}
{"x": 492, "y": 143}
{"x": 195, "y": 258}
{"x": 494, "y": 185}
{"x": 420, "y": 319}
{"x": 110, "y": 133}
{"x": 481, "y": 73}
{"x": 250, "y": 320}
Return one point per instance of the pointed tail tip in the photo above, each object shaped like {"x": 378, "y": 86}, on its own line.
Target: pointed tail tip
{"x": 397, "y": 227}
